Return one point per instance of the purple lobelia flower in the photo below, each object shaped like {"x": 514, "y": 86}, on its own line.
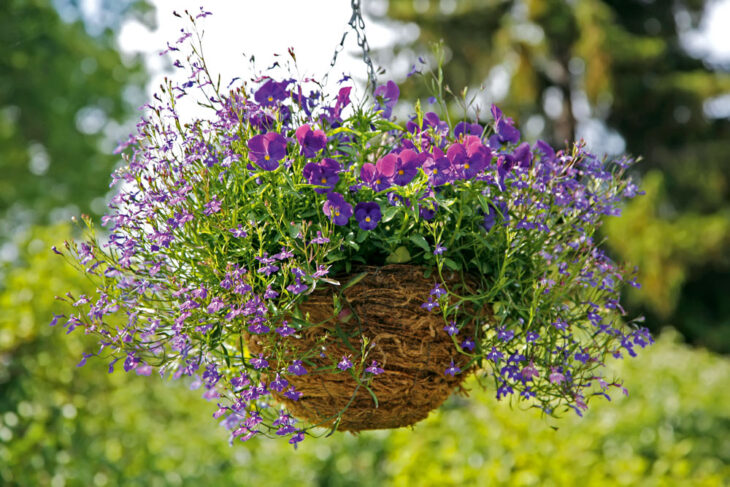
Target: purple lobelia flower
{"x": 387, "y": 96}
{"x": 530, "y": 372}
{"x": 344, "y": 364}
{"x": 337, "y": 208}
{"x": 453, "y": 369}
{"x": 367, "y": 215}
{"x": 438, "y": 291}
{"x": 298, "y": 287}
{"x": 556, "y": 377}
{"x": 212, "y": 206}
{"x": 430, "y": 304}
{"x": 505, "y": 335}
{"x": 312, "y": 141}
{"x": 267, "y": 150}
{"x": 259, "y": 362}
{"x": 374, "y": 369}
{"x": 297, "y": 368}
{"x": 451, "y": 328}
{"x": 407, "y": 163}
{"x": 271, "y": 92}
{"x": 325, "y": 173}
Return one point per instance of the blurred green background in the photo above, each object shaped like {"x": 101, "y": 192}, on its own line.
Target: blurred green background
{"x": 615, "y": 72}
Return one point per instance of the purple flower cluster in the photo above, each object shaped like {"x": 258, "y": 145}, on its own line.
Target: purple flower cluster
{"x": 223, "y": 225}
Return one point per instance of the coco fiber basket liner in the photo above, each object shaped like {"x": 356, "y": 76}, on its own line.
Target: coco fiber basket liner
{"x": 409, "y": 343}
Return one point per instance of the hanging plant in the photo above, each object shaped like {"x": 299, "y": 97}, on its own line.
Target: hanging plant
{"x": 312, "y": 262}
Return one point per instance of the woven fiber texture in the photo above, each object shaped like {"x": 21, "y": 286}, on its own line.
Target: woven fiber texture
{"x": 407, "y": 341}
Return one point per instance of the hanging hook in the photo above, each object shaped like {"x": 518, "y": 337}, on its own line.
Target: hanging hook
{"x": 357, "y": 23}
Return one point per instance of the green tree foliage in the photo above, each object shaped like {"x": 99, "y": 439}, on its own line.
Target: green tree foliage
{"x": 61, "y": 91}
{"x": 672, "y": 254}
{"x": 568, "y": 67}
{"x": 80, "y": 426}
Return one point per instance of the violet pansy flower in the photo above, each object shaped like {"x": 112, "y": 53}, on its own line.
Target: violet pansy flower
{"x": 368, "y": 215}
{"x": 325, "y": 173}
{"x": 337, "y": 208}
{"x": 437, "y": 167}
{"x": 407, "y": 163}
{"x": 466, "y": 128}
{"x": 387, "y": 96}
{"x": 478, "y": 156}
{"x": 522, "y": 155}
{"x": 271, "y": 92}
{"x": 267, "y": 150}
{"x": 547, "y": 151}
{"x": 504, "y": 129}
{"x": 312, "y": 141}
{"x": 380, "y": 175}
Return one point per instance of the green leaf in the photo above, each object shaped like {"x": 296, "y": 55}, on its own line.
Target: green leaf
{"x": 400, "y": 256}
{"x": 386, "y": 125}
{"x": 340, "y": 130}
{"x": 389, "y": 213}
{"x": 454, "y": 266}
{"x": 421, "y": 242}
{"x": 354, "y": 280}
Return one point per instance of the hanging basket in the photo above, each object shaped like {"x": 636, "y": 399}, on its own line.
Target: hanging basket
{"x": 409, "y": 343}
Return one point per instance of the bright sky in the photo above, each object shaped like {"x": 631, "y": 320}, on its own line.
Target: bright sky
{"x": 713, "y": 40}
{"x": 261, "y": 28}
{"x": 314, "y": 28}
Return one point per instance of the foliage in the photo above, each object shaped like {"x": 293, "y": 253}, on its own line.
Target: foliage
{"x": 224, "y": 225}
{"x": 62, "y": 91}
{"x": 82, "y": 426}
{"x": 666, "y": 250}
{"x": 601, "y": 67}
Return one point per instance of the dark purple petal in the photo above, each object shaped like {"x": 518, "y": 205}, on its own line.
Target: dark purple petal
{"x": 367, "y": 172}
{"x": 545, "y": 149}
{"x": 456, "y": 154}
{"x": 256, "y": 147}
{"x": 337, "y": 208}
{"x": 522, "y": 155}
{"x": 276, "y": 146}
{"x": 368, "y": 215}
{"x": 386, "y": 165}
{"x": 387, "y": 96}
{"x": 466, "y": 128}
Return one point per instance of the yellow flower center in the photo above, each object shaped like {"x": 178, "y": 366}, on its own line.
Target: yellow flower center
{"x": 400, "y": 172}
{"x": 435, "y": 171}
{"x": 324, "y": 180}
{"x": 266, "y": 157}
{"x": 367, "y": 219}
{"x": 377, "y": 181}
{"x": 466, "y": 166}
{"x": 337, "y": 212}
{"x": 271, "y": 98}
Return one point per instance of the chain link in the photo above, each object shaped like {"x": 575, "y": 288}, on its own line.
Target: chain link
{"x": 357, "y": 24}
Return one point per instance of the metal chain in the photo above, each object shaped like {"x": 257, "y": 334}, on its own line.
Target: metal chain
{"x": 358, "y": 25}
